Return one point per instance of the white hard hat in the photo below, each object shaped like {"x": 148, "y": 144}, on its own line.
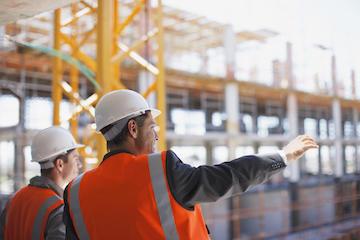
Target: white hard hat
{"x": 121, "y": 104}
{"x": 52, "y": 142}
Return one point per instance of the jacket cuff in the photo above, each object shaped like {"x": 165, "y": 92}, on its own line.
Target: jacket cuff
{"x": 283, "y": 156}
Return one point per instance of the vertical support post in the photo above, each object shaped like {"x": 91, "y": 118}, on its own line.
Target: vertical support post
{"x": 232, "y": 112}
{"x": 292, "y": 112}
{"x": 289, "y": 66}
{"x": 336, "y": 108}
{"x": 209, "y": 153}
{"x": 116, "y": 67}
{"x": 353, "y": 84}
{"x": 160, "y": 82}
{"x": 356, "y": 122}
{"x": 336, "y": 111}
{"x": 318, "y": 133}
{"x": 293, "y": 118}
{"x": 57, "y": 70}
{"x": 334, "y": 77}
{"x": 104, "y": 75}
{"x": 276, "y": 73}
{"x": 19, "y": 142}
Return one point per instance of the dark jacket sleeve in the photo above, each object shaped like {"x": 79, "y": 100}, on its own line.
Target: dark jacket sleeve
{"x": 70, "y": 230}
{"x": 55, "y": 228}
{"x": 2, "y": 223}
{"x": 190, "y": 185}
{"x": 3, "y": 217}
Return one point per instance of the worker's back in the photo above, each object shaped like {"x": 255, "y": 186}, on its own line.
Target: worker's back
{"x": 28, "y": 211}
{"x": 127, "y": 197}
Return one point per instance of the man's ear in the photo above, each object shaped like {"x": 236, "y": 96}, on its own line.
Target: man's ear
{"x": 59, "y": 164}
{"x": 132, "y": 127}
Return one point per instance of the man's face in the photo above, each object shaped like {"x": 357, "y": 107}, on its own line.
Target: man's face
{"x": 72, "y": 166}
{"x": 146, "y": 141}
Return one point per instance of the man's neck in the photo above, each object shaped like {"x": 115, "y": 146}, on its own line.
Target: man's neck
{"x": 127, "y": 148}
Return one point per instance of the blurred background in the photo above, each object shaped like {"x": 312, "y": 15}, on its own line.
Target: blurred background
{"x": 231, "y": 77}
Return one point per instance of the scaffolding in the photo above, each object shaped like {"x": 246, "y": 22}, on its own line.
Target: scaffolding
{"x": 124, "y": 44}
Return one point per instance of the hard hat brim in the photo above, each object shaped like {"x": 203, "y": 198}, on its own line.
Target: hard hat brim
{"x": 154, "y": 113}
{"x": 76, "y": 146}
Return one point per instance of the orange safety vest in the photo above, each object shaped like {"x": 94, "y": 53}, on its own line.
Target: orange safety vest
{"x": 128, "y": 197}
{"x": 28, "y": 211}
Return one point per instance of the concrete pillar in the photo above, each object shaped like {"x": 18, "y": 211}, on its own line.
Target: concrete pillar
{"x": 209, "y": 153}
{"x": 276, "y": 73}
{"x": 293, "y": 118}
{"x": 289, "y": 66}
{"x": 355, "y": 135}
{"x": 292, "y": 112}
{"x": 231, "y": 89}
{"x": 19, "y": 161}
{"x": 339, "y": 161}
{"x": 232, "y": 111}
{"x": 318, "y": 135}
{"x": 230, "y": 51}
{"x": 355, "y": 114}
{"x": 335, "y": 86}
{"x": 353, "y": 84}
{"x": 204, "y": 62}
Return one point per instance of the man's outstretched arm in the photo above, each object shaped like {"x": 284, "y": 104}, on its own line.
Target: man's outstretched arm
{"x": 190, "y": 185}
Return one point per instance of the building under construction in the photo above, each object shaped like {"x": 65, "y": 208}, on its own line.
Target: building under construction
{"x": 223, "y": 93}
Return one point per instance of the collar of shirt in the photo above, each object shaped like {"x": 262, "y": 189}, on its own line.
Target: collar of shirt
{"x": 114, "y": 152}
{"x": 44, "y": 182}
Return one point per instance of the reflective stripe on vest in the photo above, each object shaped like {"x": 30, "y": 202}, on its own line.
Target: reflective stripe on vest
{"x": 37, "y": 231}
{"x": 78, "y": 222}
{"x": 162, "y": 197}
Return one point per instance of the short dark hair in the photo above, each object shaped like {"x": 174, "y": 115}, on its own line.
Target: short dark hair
{"x": 64, "y": 157}
{"x": 122, "y": 136}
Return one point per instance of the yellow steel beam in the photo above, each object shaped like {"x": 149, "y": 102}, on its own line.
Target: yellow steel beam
{"x": 104, "y": 46}
{"x": 86, "y": 37}
{"x": 128, "y": 20}
{"x": 88, "y": 61}
{"x": 118, "y": 58}
{"x": 68, "y": 91}
{"x": 150, "y": 89}
{"x": 88, "y": 5}
{"x": 57, "y": 70}
{"x": 160, "y": 86}
{"x": 104, "y": 75}
{"x": 116, "y": 66}
{"x": 139, "y": 59}
{"x": 76, "y": 17}
{"x": 84, "y": 104}
{"x": 118, "y": 85}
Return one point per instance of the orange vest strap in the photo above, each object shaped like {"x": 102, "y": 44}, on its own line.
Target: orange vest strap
{"x": 161, "y": 196}
{"x": 79, "y": 223}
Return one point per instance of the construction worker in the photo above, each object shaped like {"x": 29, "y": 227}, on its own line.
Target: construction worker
{"x": 36, "y": 211}
{"x": 136, "y": 193}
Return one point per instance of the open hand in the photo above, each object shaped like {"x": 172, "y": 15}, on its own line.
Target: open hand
{"x": 296, "y": 148}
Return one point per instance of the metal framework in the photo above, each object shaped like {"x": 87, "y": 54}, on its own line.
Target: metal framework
{"x": 77, "y": 34}
{"x": 111, "y": 51}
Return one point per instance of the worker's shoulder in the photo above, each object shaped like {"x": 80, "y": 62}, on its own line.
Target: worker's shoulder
{"x": 171, "y": 156}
